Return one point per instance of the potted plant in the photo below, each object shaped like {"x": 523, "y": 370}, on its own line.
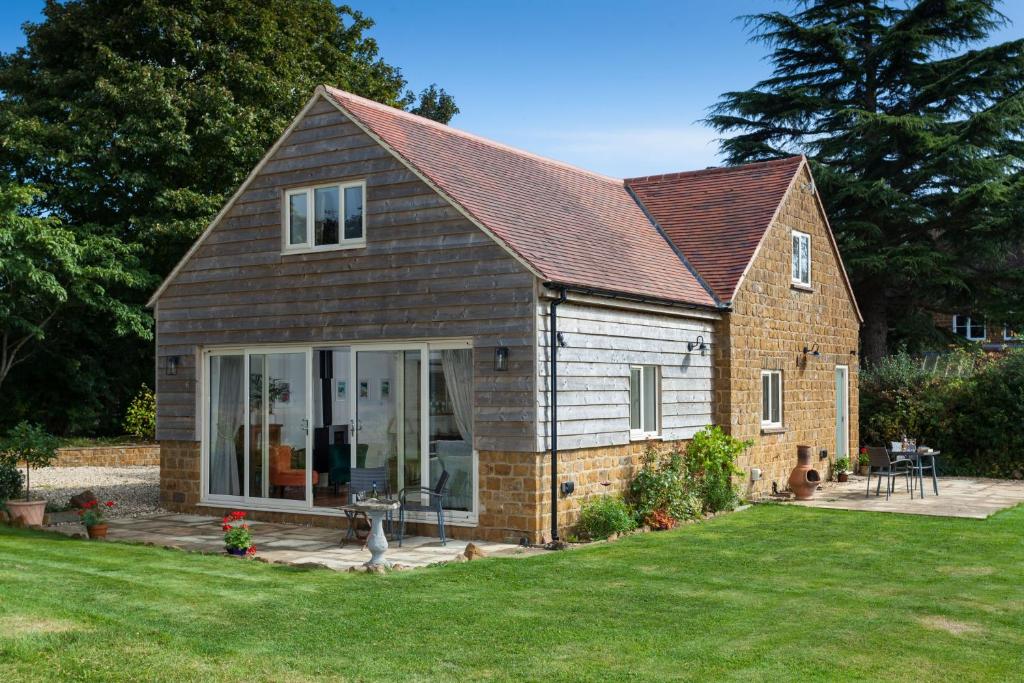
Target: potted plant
{"x": 10, "y": 483}
{"x": 30, "y": 444}
{"x": 864, "y": 460}
{"x": 842, "y": 464}
{"x": 237, "y": 538}
{"x": 94, "y": 517}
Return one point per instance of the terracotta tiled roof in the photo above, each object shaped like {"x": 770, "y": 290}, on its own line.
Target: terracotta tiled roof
{"x": 571, "y": 226}
{"x": 717, "y": 216}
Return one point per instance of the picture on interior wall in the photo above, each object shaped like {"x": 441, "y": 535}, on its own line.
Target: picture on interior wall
{"x": 340, "y": 390}
{"x": 385, "y": 388}
{"x": 364, "y": 390}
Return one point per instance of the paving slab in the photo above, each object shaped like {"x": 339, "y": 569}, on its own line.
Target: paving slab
{"x": 287, "y": 543}
{"x": 967, "y": 497}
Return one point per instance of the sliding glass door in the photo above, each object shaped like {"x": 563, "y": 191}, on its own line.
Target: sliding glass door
{"x": 258, "y": 425}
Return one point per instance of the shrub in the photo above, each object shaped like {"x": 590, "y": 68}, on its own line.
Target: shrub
{"x": 602, "y": 516}
{"x": 842, "y": 465}
{"x": 11, "y": 481}
{"x": 711, "y": 465}
{"x": 140, "y": 420}
{"x": 661, "y": 487}
{"x": 31, "y": 444}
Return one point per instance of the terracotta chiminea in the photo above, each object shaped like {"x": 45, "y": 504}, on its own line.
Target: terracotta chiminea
{"x": 804, "y": 479}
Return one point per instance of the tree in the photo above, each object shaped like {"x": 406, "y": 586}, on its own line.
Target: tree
{"x": 436, "y": 104}
{"x": 45, "y": 268}
{"x": 137, "y": 119}
{"x": 915, "y": 136}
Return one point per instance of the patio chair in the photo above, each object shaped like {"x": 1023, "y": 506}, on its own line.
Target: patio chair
{"x": 435, "y": 498}
{"x": 918, "y": 468}
{"x": 362, "y": 480}
{"x": 883, "y": 466}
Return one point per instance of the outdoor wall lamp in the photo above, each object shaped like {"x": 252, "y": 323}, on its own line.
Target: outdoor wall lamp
{"x": 812, "y": 351}
{"x": 561, "y": 340}
{"x": 501, "y": 359}
{"x": 697, "y": 344}
{"x": 172, "y": 365}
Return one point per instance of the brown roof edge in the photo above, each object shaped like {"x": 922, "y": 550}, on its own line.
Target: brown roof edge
{"x": 713, "y": 170}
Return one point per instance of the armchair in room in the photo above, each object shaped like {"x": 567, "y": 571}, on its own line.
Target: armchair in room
{"x": 282, "y": 474}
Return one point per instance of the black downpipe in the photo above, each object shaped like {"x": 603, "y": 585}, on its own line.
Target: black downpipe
{"x": 553, "y": 402}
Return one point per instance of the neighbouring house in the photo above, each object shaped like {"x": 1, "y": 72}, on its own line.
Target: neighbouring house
{"x": 387, "y": 292}
{"x": 974, "y": 328}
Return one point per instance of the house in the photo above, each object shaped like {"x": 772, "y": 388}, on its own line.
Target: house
{"x": 974, "y": 328}
{"x": 387, "y": 292}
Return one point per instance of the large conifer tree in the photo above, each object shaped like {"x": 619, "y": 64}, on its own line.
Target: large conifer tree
{"x": 914, "y": 130}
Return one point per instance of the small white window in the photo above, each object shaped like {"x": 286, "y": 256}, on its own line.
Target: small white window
{"x": 325, "y": 217}
{"x": 800, "y": 272}
{"x": 644, "y": 401}
{"x": 1012, "y": 334}
{"x": 972, "y": 328}
{"x": 771, "y": 399}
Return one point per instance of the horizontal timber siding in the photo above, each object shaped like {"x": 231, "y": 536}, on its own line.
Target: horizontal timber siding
{"x": 593, "y": 373}
{"x": 426, "y": 272}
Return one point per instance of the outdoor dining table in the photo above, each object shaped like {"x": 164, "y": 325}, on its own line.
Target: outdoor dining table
{"x": 915, "y": 458}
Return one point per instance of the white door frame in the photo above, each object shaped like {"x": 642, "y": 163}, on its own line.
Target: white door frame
{"x": 845, "y": 371}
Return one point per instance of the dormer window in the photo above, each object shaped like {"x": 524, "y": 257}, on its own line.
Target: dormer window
{"x": 325, "y": 217}
{"x": 800, "y": 273}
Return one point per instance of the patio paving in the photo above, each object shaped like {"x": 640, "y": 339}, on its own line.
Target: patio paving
{"x": 970, "y": 497}
{"x": 288, "y": 543}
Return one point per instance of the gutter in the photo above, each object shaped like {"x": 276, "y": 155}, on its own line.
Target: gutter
{"x": 553, "y": 402}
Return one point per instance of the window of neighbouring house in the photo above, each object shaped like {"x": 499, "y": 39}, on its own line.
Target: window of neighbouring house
{"x": 325, "y": 217}
{"x": 971, "y": 328}
{"x": 800, "y": 272}
{"x": 1012, "y": 333}
{"x": 771, "y": 398}
{"x": 644, "y": 401}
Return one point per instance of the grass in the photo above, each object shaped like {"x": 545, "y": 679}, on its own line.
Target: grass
{"x": 770, "y": 593}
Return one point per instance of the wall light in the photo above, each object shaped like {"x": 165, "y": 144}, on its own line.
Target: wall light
{"x": 812, "y": 351}
{"x": 501, "y": 359}
{"x": 697, "y": 344}
{"x": 172, "y": 365}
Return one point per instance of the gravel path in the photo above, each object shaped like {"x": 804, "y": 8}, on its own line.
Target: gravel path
{"x": 136, "y": 490}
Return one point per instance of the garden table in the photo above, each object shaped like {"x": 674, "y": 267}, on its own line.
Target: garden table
{"x": 915, "y": 458}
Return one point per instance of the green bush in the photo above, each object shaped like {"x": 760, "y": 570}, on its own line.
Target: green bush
{"x": 661, "y": 486}
{"x": 602, "y": 516}
{"x": 711, "y": 468}
{"x": 140, "y": 420}
{"x": 11, "y": 482}
{"x": 969, "y": 406}
{"x": 31, "y": 444}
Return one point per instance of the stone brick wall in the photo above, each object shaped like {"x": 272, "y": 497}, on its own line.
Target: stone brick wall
{"x": 769, "y": 325}
{"x": 109, "y": 456}
{"x": 179, "y": 475}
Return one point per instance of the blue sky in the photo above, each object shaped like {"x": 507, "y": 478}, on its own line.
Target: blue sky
{"x": 610, "y": 86}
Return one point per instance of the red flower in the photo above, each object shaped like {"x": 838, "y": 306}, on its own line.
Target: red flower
{"x": 226, "y": 527}
{"x": 251, "y": 550}
{"x": 110, "y": 503}
{"x": 89, "y": 505}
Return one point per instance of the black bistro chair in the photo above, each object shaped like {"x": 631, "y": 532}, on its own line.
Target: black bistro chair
{"x": 411, "y": 499}
{"x": 884, "y": 467}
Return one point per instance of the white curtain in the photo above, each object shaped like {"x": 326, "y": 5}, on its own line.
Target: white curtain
{"x": 458, "y": 377}
{"x": 227, "y": 413}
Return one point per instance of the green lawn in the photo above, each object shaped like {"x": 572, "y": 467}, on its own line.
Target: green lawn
{"x": 767, "y": 594}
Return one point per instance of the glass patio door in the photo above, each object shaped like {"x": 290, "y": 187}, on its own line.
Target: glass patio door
{"x": 388, "y": 416}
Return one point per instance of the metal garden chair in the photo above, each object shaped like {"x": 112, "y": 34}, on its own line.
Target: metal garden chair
{"x": 883, "y": 466}
{"x": 435, "y": 499}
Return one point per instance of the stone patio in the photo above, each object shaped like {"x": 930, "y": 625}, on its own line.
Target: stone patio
{"x": 286, "y": 543}
{"x": 970, "y": 497}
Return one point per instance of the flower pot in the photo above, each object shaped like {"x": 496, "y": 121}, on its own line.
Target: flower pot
{"x": 238, "y": 552}
{"x": 97, "y": 531}
{"x": 31, "y": 512}
{"x": 843, "y": 476}
{"x": 864, "y": 469}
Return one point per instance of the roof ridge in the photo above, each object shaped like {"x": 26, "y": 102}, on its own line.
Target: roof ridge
{"x": 471, "y": 136}
{"x": 716, "y": 170}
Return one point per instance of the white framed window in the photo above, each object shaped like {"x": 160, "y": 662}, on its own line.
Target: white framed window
{"x": 325, "y": 217}
{"x": 771, "y": 399}
{"x": 800, "y": 271}
{"x": 1012, "y": 334}
{"x": 644, "y": 401}
{"x": 971, "y": 328}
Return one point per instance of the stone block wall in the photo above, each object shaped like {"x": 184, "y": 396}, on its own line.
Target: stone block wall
{"x": 133, "y": 455}
{"x": 770, "y": 323}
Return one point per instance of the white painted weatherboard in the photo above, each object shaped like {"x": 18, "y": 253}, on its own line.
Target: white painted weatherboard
{"x": 593, "y": 373}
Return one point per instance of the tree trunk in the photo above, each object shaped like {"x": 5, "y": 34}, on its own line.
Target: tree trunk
{"x": 874, "y": 335}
